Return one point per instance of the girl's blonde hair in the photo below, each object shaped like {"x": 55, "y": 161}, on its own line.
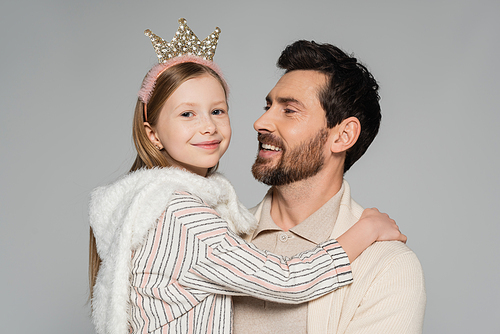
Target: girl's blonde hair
{"x": 148, "y": 156}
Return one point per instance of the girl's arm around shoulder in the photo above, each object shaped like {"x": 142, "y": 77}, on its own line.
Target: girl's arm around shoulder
{"x": 223, "y": 263}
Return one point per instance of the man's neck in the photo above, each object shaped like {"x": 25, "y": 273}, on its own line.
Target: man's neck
{"x": 293, "y": 203}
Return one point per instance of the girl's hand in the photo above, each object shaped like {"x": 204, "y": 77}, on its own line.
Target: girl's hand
{"x": 372, "y": 226}
{"x": 384, "y": 228}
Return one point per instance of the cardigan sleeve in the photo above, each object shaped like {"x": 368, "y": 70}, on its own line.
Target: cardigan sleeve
{"x": 223, "y": 263}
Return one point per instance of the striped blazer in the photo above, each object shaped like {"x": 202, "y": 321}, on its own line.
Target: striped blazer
{"x": 191, "y": 263}
{"x": 176, "y": 273}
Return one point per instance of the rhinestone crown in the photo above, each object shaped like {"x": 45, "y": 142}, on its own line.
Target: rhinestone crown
{"x": 184, "y": 42}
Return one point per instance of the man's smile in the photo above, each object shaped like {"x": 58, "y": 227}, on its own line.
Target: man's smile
{"x": 270, "y": 147}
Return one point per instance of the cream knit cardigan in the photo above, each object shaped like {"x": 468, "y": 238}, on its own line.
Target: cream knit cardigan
{"x": 388, "y": 292}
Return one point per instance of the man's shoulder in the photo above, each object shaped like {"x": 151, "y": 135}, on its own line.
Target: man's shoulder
{"x": 384, "y": 255}
{"x": 388, "y": 261}
{"x": 387, "y": 252}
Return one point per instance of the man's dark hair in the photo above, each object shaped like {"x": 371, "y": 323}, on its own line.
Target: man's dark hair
{"x": 351, "y": 91}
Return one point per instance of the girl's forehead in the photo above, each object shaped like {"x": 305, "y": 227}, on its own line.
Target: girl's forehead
{"x": 202, "y": 91}
{"x": 203, "y": 87}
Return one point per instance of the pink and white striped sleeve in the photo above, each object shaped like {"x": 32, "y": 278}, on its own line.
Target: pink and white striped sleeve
{"x": 223, "y": 263}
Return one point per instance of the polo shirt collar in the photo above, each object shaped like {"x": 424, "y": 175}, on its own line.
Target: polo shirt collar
{"x": 315, "y": 228}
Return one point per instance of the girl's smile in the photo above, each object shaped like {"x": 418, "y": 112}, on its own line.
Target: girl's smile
{"x": 208, "y": 145}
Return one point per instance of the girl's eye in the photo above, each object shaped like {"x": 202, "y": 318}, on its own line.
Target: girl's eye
{"x": 218, "y": 112}
{"x": 187, "y": 114}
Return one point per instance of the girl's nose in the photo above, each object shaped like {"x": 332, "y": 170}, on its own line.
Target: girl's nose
{"x": 208, "y": 126}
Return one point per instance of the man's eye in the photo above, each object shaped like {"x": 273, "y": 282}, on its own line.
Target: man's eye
{"x": 218, "y": 112}
{"x": 187, "y": 114}
{"x": 289, "y": 111}
{"x": 266, "y": 108}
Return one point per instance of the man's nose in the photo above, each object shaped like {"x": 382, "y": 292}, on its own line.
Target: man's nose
{"x": 265, "y": 123}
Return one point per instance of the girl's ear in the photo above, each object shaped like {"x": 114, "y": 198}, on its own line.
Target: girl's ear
{"x": 153, "y": 137}
{"x": 346, "y": 135}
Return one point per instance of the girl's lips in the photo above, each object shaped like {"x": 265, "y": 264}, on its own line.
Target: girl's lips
{"x": 209, "y": 145}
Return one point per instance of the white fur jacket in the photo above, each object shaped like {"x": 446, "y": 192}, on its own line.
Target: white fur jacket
{"x": 122, "y": 213}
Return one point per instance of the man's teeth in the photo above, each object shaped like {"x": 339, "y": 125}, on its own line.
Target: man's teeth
{"x": 270, "y": 147}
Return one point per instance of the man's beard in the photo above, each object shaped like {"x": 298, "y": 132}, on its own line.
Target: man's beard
{"x": 296, "y": 164}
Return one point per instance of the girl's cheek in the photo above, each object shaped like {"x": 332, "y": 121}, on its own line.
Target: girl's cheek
{"x": 224, "y": 122}
{"x": 226, "y": 128}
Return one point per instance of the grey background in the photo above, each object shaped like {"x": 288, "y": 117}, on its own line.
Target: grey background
{"x": 70, "y": 71}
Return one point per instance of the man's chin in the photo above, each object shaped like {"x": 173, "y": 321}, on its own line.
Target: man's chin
{"x": 273, "y": 174}
{"x": 262, "y": 170}
{"x": 269, "y": 174}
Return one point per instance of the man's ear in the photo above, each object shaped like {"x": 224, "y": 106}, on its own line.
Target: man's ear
{"x": 153, "y": 137}
{"x": 346, "y": 134}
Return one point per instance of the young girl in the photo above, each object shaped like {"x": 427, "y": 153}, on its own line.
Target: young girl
{"x": 166, "y": 256}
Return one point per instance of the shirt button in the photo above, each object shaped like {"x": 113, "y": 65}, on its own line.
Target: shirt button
{"x": 283, "y": 237}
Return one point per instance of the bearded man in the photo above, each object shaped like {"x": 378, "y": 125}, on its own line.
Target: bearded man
{"x": 320, "y": 118}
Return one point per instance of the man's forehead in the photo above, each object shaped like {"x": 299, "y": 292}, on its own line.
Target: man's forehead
{"x": 298, "y": 85}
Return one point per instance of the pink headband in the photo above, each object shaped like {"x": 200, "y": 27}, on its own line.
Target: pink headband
{"x": 148, "y": 84}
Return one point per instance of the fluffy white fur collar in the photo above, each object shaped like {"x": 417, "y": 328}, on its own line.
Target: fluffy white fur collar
{"x": 121, "y": 215}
